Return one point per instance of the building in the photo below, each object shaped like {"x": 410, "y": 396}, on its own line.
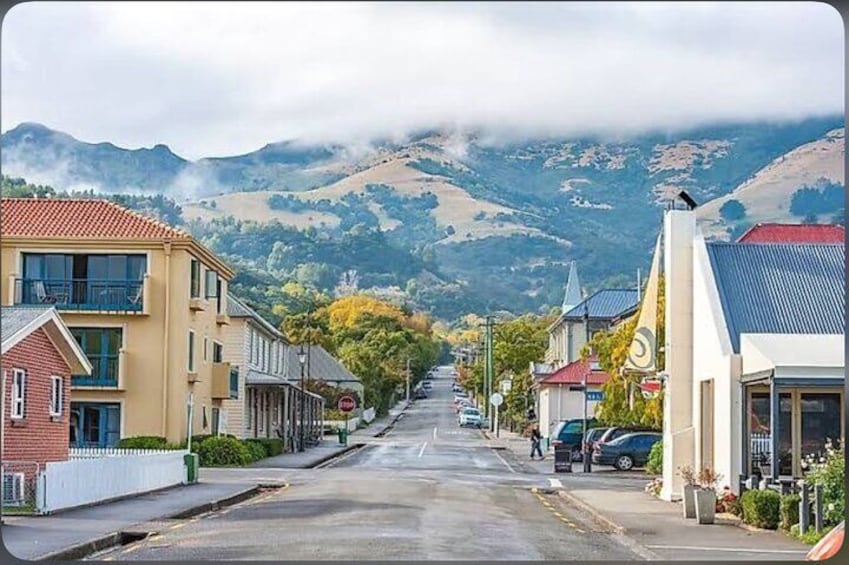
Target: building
{"x": 147, "y": 303}
{"x": 267, "y": 402}
{"x": 39, "y": 355}
{"x": 755, "y": 362}
{"x": 794, "y": 233}
{"x": 560, "y": 395}
{"x": 322, "y": 366}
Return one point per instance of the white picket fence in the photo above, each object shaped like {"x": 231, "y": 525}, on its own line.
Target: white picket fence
{"x": 368, "y": 415}
{"x": 334, "y": 425}
{"x": 92, "y": 476}
{"x": 94, "y": 452}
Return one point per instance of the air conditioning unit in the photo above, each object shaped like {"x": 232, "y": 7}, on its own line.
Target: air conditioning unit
{"x": 13, "y": 489}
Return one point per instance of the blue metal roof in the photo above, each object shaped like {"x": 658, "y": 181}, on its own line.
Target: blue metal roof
{"x": 780, "y": 288}
{"x": 609, "y": 303}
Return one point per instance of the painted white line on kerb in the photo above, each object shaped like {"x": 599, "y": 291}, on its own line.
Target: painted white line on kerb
{"x": 506, "y": 464}
{"x": 555, "y": 483}
{"x": 731, "y": 549}
{"x": 422, "y": 449}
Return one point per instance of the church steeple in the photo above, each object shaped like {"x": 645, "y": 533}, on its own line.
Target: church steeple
{"x": 573, "y": 290}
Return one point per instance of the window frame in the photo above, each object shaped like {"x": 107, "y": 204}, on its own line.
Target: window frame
{"x": 219, "y": 347}
{"x": 195, "y": 279}
{"x": 190, "y": 365}
{"x": 205, "y": 349}
{"x": 57, "y": 401}
{"x": 210, "y": 282}
{"x": 19, "y": 395}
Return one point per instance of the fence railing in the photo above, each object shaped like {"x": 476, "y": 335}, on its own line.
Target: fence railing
{"x": 82, "y": 294}
{"x": 97, "y": 452}
{"x": 91, "y": 478}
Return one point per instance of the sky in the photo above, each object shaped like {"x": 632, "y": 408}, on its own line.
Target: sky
{"x": 216, "y": 79}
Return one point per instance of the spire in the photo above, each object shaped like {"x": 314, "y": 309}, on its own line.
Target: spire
{"x": 573, "y": 290}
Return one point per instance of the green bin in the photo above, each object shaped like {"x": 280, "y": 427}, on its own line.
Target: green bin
{"x": 191, "y": 461}
{"x": 343, "y": 436}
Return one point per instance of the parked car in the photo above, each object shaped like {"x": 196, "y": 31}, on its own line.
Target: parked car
{"x": 463, "y": 404}
{"x": 619, "y": 431}
{"x": 456, "y": 388}
{"x": 458, "y": 396}
{"x": 420, "y": 394}
{"x": 626, "y": 452}
{"x": 427, "y": 385}
{"x": 570, "y": 432}
{"x": 592, "y": 436}
{"x": 470, "y": 417}
{"x": 828, "y": 546}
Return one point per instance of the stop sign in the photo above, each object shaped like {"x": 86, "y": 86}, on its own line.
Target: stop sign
{"x": 346, "y": 404}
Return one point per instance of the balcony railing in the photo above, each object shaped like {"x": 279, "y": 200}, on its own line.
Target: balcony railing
{"x": 82, "y": 294}
{"x": 104, "y": 372}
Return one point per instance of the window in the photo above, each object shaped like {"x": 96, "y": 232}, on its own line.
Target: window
{"x": 56, "y": 396}
{"x": 205, "y": 348}
{"x": 19, "y": 380}
{"x": 219, "y": 295}
{"x": 191, "y": 351}
{"x": 102, "y": 346}
{"x": 217, "y": 352}
{"x": 195, "y": 283}
{"x": 211, "y": 284}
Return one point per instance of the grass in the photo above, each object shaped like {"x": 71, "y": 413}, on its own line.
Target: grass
{"x": 811, "y": 537}
{"x": 19, "y": 510}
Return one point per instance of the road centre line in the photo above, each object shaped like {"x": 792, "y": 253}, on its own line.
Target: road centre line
{"x": 434, "y": 433}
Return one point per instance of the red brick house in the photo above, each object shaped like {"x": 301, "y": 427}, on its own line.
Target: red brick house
{"x": 39, "y": 355}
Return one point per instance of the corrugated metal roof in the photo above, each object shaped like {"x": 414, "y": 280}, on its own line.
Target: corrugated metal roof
{"x": 574, "y": 372}
{"x": 608, "y": 303}
{"x": 13, "y": 319}
{"x": 238, "y": 309}
{"x": 780, "y": 288}
{"x": 794, "y": 233}
{"x": 322, "y": 365}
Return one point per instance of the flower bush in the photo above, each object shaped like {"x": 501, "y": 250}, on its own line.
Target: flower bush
{"x": 726, "y": 500}
{"x": 654, "y": 487}
{"x": 829, "y": 470}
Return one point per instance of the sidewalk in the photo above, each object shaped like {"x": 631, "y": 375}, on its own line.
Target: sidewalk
{"x": 329, "y": 446}
{"x": 617, "y": 500}
{"x": 33, "y": 537}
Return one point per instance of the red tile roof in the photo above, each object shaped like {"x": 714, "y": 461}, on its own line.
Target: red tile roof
{"x": 78, "y": 219}
{"x": 794, "y": 233}
{"x": 574, "y": 372}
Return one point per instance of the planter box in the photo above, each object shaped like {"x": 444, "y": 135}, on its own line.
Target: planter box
{"x": 706, "y": 505}
{"x": 689, "y": 501}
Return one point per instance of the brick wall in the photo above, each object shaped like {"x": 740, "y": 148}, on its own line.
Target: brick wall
{"x": 38, "y": 437}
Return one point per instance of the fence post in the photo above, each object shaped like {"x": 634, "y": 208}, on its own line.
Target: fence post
{"x": 804, "y": 505}
{"x": 818, "y": 517}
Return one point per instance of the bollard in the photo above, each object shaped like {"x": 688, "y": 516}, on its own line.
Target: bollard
{"x": 818, "y": 513}
{"x": 804, "y": 508}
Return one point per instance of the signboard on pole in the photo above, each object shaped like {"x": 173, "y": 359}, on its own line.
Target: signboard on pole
{"x": 346, "y": 404}
{"x": 506, "y": 385}
{"x": 496, "y": 399}
{"x": 595, "y": 395}
{"x": 650, "y": 387}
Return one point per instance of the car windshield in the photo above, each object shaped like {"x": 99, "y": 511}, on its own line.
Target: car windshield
{"x": 471, "y": 412}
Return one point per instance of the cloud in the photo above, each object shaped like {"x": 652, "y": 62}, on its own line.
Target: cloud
{"x": 212, "y": 79}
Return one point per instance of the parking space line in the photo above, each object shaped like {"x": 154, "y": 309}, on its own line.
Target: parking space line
{"x": 421, "y": 451}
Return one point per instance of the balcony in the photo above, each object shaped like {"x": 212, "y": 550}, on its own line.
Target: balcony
{"x": 106, "y": 372}
{"x": 84, "y": 295}
{"x": 222, "y": 381}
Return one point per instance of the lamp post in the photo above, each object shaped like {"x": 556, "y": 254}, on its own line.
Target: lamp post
{"x": 584, "y": 451}
{"x": 302, "y": 359}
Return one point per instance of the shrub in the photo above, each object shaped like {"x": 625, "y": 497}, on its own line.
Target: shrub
{"x": 273, "y": 446}
{"x": 789, "y": 510}
{"x": 654, "y": 465}
{"x": 830, "y": 473}
{"x": 726, "y": 500}
{"x": 256, "y": 450}
{"x": 732, "y": 210}
{"x": 143, "y": 442}
{"x": 223, "y": 452}
{"x": 761, "y": 508}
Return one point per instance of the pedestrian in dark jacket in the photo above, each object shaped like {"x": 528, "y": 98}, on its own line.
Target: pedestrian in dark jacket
{"x": 536, "y": 438}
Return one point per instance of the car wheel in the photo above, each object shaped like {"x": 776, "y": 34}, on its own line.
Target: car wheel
{"x": 624, "y": 463}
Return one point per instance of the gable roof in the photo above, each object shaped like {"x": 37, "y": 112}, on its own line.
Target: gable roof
{"x": 573, "y": 374}
{"x": 794, "y": 233}
{"x": 608, "y": 303}
{"x": 79, "y": 219}
{"x": 18, "y": 322}
{"x": 322, "y": 365}
{"x": 781, "y": 288}
{"x": 238, "y": 309}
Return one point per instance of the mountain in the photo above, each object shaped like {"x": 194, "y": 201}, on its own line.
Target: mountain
{"x": 467, "y": 222}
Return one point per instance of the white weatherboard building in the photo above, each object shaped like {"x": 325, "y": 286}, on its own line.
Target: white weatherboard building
{"x": 755, "y": 338}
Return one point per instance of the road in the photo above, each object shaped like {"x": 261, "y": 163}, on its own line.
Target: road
{"x": 427, "y": 490}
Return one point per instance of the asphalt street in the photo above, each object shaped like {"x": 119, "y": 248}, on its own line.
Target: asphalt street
{"x": 426, "y": 490}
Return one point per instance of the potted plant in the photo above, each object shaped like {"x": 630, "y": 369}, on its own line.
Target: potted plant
{"x": 706, "y": 496}
{"x": 689, "y": 496}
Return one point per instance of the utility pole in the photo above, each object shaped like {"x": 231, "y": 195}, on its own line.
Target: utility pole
{"x": 584, "y": 450}
{"x": 491, "y": 367}
{"x": 408, "y": 379}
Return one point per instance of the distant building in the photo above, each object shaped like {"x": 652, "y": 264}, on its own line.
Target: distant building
{"x": 39, "y": 355}
{"x": 794, "y": 233}
{"x": 560, "y": 394}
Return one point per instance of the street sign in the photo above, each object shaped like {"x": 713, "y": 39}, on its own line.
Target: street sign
{"x": 346, "y": 404}
{"x": 650, "y": 387}
{"x": 506, "y": 385}
{"x": 595, "y": 395}
{"x": 496, "y": 399}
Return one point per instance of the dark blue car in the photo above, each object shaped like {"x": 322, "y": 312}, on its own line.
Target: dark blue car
{"x": 626, "y": 452}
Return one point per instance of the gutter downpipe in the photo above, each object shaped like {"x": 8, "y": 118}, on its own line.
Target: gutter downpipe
{"x": 167, "y": 248}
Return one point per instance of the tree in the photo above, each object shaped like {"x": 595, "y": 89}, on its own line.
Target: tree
{"x": 732, "y": 211}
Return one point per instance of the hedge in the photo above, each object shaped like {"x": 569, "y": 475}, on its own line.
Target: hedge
{"x": 223, "y": 452}
{"x": 789, "y": 510}
{"x": 256, "y": 450}
{"x": 761, "y": 508}
{"x": 654, "y": 465}
{"x": 272, "y": 446}
{"x": 142, "y": 442}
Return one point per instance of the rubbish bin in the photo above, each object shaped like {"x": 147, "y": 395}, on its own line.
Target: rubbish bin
{"x": 191, "y": 461}
{"x": 343, "y": 436}
{"x": 562, "y": 458}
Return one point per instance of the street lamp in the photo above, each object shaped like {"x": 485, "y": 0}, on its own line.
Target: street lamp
{"x": 302, "y": 359}
{"x": 585, "y": 452}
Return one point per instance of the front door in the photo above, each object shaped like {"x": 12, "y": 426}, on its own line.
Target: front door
{"x": 95, "y": 424}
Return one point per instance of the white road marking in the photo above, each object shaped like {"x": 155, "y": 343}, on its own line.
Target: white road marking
{"x": 555, "y": 483}
{"x": 422, "y": 449}
{"x": 434, "y": 433}
{"x": 734, "y": 549}
{"x": 506, "y": 464}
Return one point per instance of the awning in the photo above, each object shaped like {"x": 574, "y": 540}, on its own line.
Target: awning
{"x": 810, "y": 359}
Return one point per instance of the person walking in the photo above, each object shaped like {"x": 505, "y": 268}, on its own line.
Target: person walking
{"x": 536, "y": 438}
